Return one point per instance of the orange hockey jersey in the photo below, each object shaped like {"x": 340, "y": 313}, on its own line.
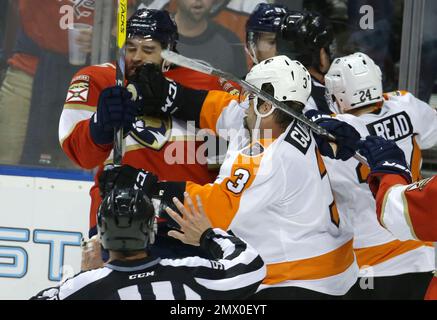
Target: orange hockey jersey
{"x": 275, "y": 193}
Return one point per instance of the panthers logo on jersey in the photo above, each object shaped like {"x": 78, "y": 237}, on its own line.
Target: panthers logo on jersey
{"x": 152, "y": 132}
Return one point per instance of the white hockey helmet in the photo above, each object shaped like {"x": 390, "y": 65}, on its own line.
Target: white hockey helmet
{"x": 355, "y": 81}
{"x": 291, "y": 81}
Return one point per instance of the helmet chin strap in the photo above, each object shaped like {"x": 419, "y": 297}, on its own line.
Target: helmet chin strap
{"x": 255, "y": 131}
{"x": 251, "y": 52}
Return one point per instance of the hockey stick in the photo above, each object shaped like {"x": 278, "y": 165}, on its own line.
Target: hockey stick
{"x": 196, "y": 65}
{"x": 120, "y": 55}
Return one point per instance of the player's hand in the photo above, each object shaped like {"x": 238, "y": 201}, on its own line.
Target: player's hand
{"x": 158, "y": 95}
{"x": 127, "y": 177}
{"x": 346, "y": 137}
{"x": 384, "y": 157}
{"x": 91, "y": 254}
{"x": 193, "y": 223}
{"x": 117, "y": 107}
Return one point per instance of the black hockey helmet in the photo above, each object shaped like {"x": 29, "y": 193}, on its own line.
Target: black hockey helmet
{"x": 154, "y": 24}
{"x": 126, "y": 220}
{"x": 264, "y": 18}
{"x": 302, "y": 35}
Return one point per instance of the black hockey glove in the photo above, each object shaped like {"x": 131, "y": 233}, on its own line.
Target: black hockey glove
{"x": 384, "y": 157}
{"x": 126, "y": 177}
{"x": 116, "y": 108}
{"x": 158, "y": 95}
{"x": 346, "y": 136}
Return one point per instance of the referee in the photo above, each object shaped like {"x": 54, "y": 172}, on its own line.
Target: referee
{"x": 125, "y": 224}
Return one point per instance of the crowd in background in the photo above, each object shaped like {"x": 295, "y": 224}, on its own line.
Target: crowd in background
{"x": 35, "y": 69}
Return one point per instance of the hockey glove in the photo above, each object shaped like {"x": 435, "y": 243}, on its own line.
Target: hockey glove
{"x": 116, "y": 108}
{"x": 158, "y": 95}
{"x": 384, "y": 157}
{"x": 126, "y": 177}
{"x": 346, "y": 137}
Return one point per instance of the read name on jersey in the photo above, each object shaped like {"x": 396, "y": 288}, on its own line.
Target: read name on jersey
{"x": 299, "y": 136}
{"x": 394, "y": 127}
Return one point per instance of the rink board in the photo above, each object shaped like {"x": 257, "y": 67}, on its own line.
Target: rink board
{"x": 42, "y": 221}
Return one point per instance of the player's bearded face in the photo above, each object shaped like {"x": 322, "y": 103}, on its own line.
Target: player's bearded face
{"x": 140, "y": 51}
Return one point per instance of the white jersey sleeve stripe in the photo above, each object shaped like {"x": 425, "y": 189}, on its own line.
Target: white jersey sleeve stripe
{"x": 75, "y": 284}
{"x": 395, "y": 216}
{"x": 69, "y": 119}
{"x": 237, "y": 282}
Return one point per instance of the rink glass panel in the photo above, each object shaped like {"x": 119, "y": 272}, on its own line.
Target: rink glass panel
{"x": 34, "y": 88}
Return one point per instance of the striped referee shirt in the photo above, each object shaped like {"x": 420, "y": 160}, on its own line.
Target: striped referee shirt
{"x": 235, "y": 274}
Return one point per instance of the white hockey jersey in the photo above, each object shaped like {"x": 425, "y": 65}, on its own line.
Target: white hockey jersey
{"x": 413, "y": 125}
{"x": 276, "y": 195}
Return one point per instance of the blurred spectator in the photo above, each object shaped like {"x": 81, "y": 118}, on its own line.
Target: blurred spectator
{"x": 428, "y": 69}
{"x": 201, "y": 38}
{"x": 3, "y": 17}
{"x": 42, "y": 23}
{"x": 231, "y": 14}
{"x": 16, "y": 88}
{"x": 46, "y": 22}
{"x": 235, "y": 15}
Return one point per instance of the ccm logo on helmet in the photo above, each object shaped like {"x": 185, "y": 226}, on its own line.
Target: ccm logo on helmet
{"x": 141, "y": 275}
{"x": 139, "y": 183}
{"x": 172, "y": 90}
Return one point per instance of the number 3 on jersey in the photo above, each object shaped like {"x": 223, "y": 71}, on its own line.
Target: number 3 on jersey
{"x": 242, "y": 178}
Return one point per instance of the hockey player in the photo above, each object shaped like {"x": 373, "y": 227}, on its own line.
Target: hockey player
{"x": 131, "y": 274}
{"x": 94, "y": 107}
{"x": 261, "y": 28}
{"x": 401, "y": 269}
{"x": 306, "y": 36}
{"x": 273, "y": 189}
{"x": 408, "y": 211}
